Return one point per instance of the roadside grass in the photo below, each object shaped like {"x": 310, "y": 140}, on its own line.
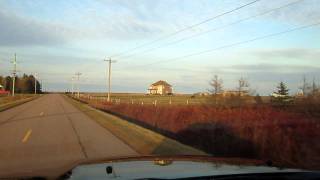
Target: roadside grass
{"x": 7, "y": 102}
{"x": 144, "y": 141}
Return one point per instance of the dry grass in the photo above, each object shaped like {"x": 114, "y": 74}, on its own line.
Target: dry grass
{"x": 142, "y": 140}
{"x": 7, "y": 102}
{"x": 138, "y": 98}
{"x": 288, "y": 138}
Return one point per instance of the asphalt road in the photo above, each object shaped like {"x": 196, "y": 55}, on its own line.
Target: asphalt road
{"x": 44, "y": 136}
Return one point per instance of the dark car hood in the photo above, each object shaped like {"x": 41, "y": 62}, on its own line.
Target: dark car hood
{"x": 163, "y": 167}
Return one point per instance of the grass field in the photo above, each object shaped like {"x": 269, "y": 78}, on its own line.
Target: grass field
{"x": 140, "y": 98}
{"x": 7, "y": 102}
{"x": 136, "y": 98}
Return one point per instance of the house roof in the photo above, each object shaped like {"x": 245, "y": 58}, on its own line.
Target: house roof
{"x": 161, "y": 82}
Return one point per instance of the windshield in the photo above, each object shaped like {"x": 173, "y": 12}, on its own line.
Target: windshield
{"x": 92, "y": 80}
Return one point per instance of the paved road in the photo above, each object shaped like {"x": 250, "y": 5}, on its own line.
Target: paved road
{"x": 46, "y": 135}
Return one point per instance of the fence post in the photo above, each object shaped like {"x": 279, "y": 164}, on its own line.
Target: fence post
{"x": 155, "y": 102}
{"x": 131, "y": 101}
{"x": 187, "y": 101}
{"x": 142, "y": 103}
{"x": 170, "y": 101}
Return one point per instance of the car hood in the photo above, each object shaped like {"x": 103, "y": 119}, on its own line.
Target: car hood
{"x": 164, "y": 167}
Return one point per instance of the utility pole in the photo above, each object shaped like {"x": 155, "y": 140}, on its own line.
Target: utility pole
{"x": 78, "y": 75}
{"x": 14, "y": 72}
{"x": 72, "y": 85}
{"x": 35, "y": 83}
{"x": 109, "y": 77}
{"x": 41, "y": 86}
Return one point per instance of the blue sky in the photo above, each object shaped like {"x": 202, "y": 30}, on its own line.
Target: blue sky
{"x": 58, "y": 38}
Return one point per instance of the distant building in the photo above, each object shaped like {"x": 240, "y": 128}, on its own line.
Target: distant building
{"x": 160, "y": 87}
{"x": 3, "y": 91}
{"x": 234, "y": 93}
{"x": 299, "y": 94}
{"x": 202, "y": 94}
{"x": 278, "y": 95}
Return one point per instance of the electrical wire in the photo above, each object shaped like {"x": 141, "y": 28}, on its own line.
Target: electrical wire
{"x": 232, "y": 45}
{"x": 184, "y": 29}
{"x": 210, "y": 30}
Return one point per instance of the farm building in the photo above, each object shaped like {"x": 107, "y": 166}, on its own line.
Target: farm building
{"x": 234, "y": 93}
{"x": 160, "y": 87}
{"x": 201, "y": 94}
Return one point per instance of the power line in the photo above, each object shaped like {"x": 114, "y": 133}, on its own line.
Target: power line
{"x": 211, "y": 30}
{"x": 232, "y": 45}
{"x": 185, "y": 29}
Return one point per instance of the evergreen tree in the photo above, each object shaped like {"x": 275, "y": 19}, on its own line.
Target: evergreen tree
{"x": 282, "y": 89}
{"x": 281, "y": 96}
{"x": 8, "y": 83}
{"x": 24, "y": 84}
{"x": 258, "y": 99}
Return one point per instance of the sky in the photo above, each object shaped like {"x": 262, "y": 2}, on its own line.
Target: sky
{"x": 56, "y": 39}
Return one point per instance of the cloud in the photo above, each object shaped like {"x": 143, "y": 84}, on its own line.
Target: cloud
{"x": 125, "y": 19}
{"x": 298, "y": 12}
{"x": 304, "y": 12}
{"x": 124, "y": 27}
{"x": 288, "y": 53}
{"x": 271, "y": 68}
{"x": 19, "y": 31}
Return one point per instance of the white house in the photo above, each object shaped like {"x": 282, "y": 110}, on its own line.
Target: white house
{"x": 160, "y": 87}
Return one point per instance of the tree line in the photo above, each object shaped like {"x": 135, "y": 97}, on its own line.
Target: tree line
{"x": 279, "y": 97}
{"x": 23, "y": 84}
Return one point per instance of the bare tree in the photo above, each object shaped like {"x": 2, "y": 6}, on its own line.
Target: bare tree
{"x": 305, "y": 87}
{"x": 242, "y": 88}
{"x": 314, "y": 88}
{"x": 216, "y": 84}
{"x": 216, "y": 87}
